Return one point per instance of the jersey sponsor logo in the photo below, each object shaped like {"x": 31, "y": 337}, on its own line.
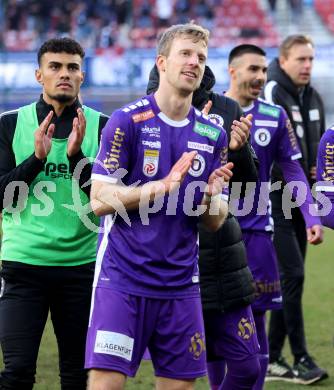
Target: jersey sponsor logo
{"x": 198, "y": 146}
{"x": 261, "y": 123}
{"x": 112, "y": 343}
{"x": 300, "y": 131}
{"x": 56, "y": 171}
{"x": 197, "y": 345}
{"x": 269, "y": 110}
{"x": 140, "y": 103}
{"x": 206, "y": 131}
{"x": 314, "y": 114}
{"x": 262, "y": 137}
{"x": 151, "y": 131}
{"x": 217, "y": 119}
{"x": 111, "y": 162}
{"x": 151, "y": 162}
{"x": 143, "y": 116}
{"x": 152, "y": 144}
{"x": 198, "y": 166}
{"x": 246, "y": 328}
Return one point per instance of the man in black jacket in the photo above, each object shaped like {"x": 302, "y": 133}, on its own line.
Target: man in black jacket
{"x": 225, "y": 279}
{"x": 289, "y": 86}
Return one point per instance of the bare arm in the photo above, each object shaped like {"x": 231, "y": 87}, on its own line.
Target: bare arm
{"x": 107, "y": 198}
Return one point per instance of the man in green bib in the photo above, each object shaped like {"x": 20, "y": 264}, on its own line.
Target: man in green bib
{"x": 48, "y": 253}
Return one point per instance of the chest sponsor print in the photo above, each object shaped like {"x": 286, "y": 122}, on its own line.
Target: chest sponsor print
{"x": 206, "y": 131}
{"x": 151, "y": 162}
{"x": 199, "y": 146}
{"x": 151, "y": 131}
{"x": 152, "y": 144}
{"x": 262, "y": 137}
{"x": 269, "y": 110}
{"x": 198, "y": 166}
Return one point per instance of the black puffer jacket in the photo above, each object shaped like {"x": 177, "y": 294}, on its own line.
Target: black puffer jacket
{"x": 225, "y": 279}
{"x": 306, "y": 114}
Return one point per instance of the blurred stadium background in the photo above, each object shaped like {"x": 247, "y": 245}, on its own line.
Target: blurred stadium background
{"x": 119, "y": 37}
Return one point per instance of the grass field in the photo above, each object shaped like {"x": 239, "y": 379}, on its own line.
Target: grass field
{"x": 319, "y": 321}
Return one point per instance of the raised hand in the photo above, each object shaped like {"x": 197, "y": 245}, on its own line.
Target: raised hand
{"x": 240, "y": 132}
{"x": 43, "y": 137}
{"x": 219, "y": 179}
{"x": 206, "y": 109}
{"x": 179, "y": 171}
{"x": 77, "y": 134}
{"x": 315, "y": 234}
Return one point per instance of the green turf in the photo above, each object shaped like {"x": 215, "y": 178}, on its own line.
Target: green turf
{"x": 319, "y": 322}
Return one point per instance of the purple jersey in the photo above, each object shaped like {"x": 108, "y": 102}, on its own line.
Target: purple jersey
{"x": 325, "y": 162}
{"x": 273, "y": 139}
{"x": 157, "y": 255}
{"x": 325, "y": 178}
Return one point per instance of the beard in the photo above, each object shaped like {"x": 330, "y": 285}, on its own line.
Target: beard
{"x": 62, "y": 98}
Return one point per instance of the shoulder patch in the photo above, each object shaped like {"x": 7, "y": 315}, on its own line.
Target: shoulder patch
{"x": 9, "y": 113}
{"x": 135, "y": 105}
{"x": 269, "y": 110}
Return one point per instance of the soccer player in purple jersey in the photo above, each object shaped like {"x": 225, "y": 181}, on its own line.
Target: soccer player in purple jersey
{"x": 325, "y": 178}
{"x": 161, "y": 162}
{"x": 273, "y": 139}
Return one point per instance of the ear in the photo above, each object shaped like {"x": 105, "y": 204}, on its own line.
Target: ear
{"x": 281, "y": 61}
{"x": 161, "y": 63}
{"x": 231, "y": 71}
{"x": 83, "y": 74}
{"x": 39, "y": 76}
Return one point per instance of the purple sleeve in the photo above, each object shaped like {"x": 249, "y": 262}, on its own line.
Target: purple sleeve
{"x": 293, "y": 172}
{"x": 114, "y": 152}
{"x": 325, "y": 178}
{"x": 288, "y": 148}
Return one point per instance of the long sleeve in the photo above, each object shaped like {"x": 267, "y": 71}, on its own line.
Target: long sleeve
{"x": 292, "y": 171}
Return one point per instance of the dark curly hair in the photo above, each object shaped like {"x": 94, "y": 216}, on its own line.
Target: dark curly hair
{"x": 60, "y": 45}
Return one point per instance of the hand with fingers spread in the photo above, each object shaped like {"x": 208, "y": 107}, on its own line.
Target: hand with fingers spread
{"x": 206, "y": 109}
{"x": 43, "y": 137}
{"x": 240, "y": 132}
{"x": 315, "y": 234}
{"x": 77, "y": 134}
{"x": 179, "y": 171}
{"x": 219, "y": 179}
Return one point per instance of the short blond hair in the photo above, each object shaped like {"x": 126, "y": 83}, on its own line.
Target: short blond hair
{"x": 291, "y": 40}
{"x": 197, "y": 32}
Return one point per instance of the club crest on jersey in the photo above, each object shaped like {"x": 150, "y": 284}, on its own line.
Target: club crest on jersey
{"x": 151, "y": 162}
{"x": 198, "y": 166}
{"x": 217, "y": 119}
{"x": 262, "y": 137}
